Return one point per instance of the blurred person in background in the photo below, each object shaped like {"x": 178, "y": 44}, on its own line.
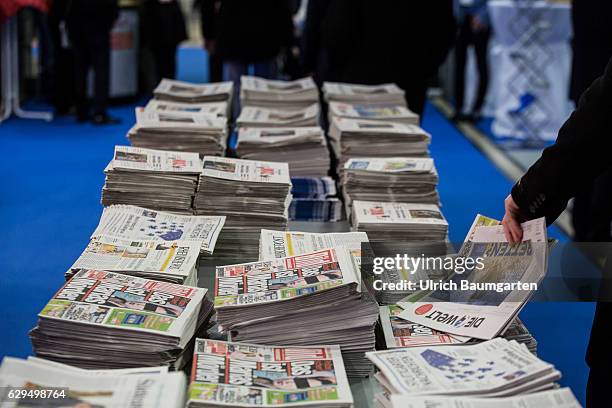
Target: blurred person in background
{"x": 592, "y": 47}
{"x": 163, "y": 29}
{"x": 89, "y": 24}
{"x": 474, "y": 29}
{"x": 209, "y": 19}
{"x": 314, "y": 57}
{"x": 379, "y": 41}
{"x": 249, "y": 34}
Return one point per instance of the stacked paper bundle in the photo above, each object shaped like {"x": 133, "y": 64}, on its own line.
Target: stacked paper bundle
{"x": 559, "y": 398}
{"x": 304, "y": 149}
{"x": 363, "y": 94}
{"x": 399, "y": 221}
{"x": 186, "y": 92}
{"x": 230, "y": 374}
{"x": 314, "y": 199}
{"x": 495, "y": 368}
{"x": 352, "y": 138}
{"x": 266, "y": 93}
{"x": 251, "y": 116}
{"x": 251, "y": 194}
{"x": 157, "y": 179}
{"x": 43, "y": 383}
{"x": 376, "y": 112}
{"x": 216, "y": 109}
{"x": 142, "y": 224}
{"x": 102, "y": 319}
{"x": 261, "y": 302}
{"x": 393, "y": 179}
{"x": 179, "y": 131}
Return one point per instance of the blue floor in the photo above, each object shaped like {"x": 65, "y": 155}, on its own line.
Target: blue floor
{"x": 49, "y": 204}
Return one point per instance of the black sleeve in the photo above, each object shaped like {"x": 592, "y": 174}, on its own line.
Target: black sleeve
{"x": 442, "y": 34}
{"x": 580, "y": 154}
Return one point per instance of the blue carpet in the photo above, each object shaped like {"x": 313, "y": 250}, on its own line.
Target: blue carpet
{"x": 49, "y": 204}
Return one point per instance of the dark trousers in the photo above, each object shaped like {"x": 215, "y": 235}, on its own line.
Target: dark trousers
{"x": 91, "y": 49}
{"x": 599, "y": 357}
{"x": 215, "y": 68}
{"x": 165, "y": 61}
{"x": 480, "y": 41}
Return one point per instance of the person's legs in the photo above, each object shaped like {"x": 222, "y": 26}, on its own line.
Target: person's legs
{"x": 101, "y": 66}
{"x": 481, "y": 46}
{"x": 416, "y": 94}
{"x": 81, "y": 54}
{"x": 598, "y": 358}
{"x": 233, "y": 70}
{"x": 461, "y": 46}
{"x": 215, "y": 68}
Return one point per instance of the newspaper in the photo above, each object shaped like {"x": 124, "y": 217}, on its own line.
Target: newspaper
{"x": 275, "y": 136}
{"x": 137, "y": 223}
{"x": 246, "y": 170}
{"x": 384, "y": 112}
{"x": 173, "y": 261}
{"x": 281, "y": 279}
{"x": 240, "y": 374}
{"x": 282, "y": 244}
{"x": 54, "y": 386}
{"x": 496, "y": 367}
{"x": 560, "y": 398}
{"x": 180, "y": 91}
{"x": 480, "y": 303}
{"x": 276, "y": 117}
{"x": 153, "y": 119}
{"x": 392, "y": 165}
{"x": 128, "y": 158}
{"x": 36, "y": 361}
{"x": 122, "y": 302}
{"x": 402, "y": 333}
{"x": 260, "y": 89}
{"x": 217, "y": 109}
{"x": 337, "y": 91}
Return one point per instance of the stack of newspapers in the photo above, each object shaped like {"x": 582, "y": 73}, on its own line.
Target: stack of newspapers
{"x": 266, "y": 93}
{"x": 260, "y": 302}
{"x": 228, "y": 374}
{"x": 215, "y": 109}
{"x": 398, "y": 222}
{"x": 101, "y": 319}
{"x": 495, "y": 368}
{"x": 350, "y": 138}
{"x": 314, "y": 199}
{"x": 186, "y": 92}
{"x": 557, "y": 398}
{"x": 179, "y": 131}
{"x": 254, "y": 116}
{"x": 376, "y": 112}
{"x": 37, "y": 382}
{"x": 363, "y": 94}
{"x": 303, "y": 148}
{"x": 393, "y": 179}
{"x": 251, "y": 194}
{"x": 157, "y": 179}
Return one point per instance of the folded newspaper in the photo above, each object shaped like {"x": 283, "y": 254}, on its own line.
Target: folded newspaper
{"x": 179, "y": 131}
{"x": 156, "y": 179}
{"x": 180, "y": 91}
{"x": 101, "y": 319}
{"x": 351, "y": 93}
{"x": 246, "y": 375}
{"x": 136, "y": 223}
{"x": 355, "y": 138}
{"x": 36, "y": 383}
{"x": 482, "y": 301}
{"x": 251, "y": 194}
{"x": 400, "y": 222}
{"x": 260, "y": 301}
{"x": 251, "y": 116}
{"x": 255, "y": 91}
{"x": 392, "y": 179}
{"x": 315, "y": 199}
{"x": 383, "y": 112}
{"x": 494, "y": 368}
{"x": 216, "y": 109}
{"x": 304, "y": 149}
{"x": 559, "y": 398}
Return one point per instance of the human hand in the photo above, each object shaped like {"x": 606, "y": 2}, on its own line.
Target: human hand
{"x": 512, "y": 221}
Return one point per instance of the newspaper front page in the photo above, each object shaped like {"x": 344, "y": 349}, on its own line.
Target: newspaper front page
{"x": 178, "y": 119}
{"x": 281, "y": 244}
{"x": 216, "y": 109}
{"x": 392, "y": 164}
{"x": 185, "y": 90}
{"x": 246, "y": 170}
{"x": 240, "y": 374}
{"x": 140, "y": 159}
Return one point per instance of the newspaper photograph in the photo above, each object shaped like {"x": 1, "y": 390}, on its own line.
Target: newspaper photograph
{"x": 52, "y": 386}
{"x": 241, "y": 374}
{"x": 141, "y": 159}
{"x": 119, "y": 301}
{"x": 286, "y": 278}
{"x": 215, "y": 109}
{"x": 484, "y": 299}
{"x": 246, "y": 170}
{"x": 281, "y": 244}
{"x": 129, "y": 222}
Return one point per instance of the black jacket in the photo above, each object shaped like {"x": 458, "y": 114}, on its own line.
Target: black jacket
{"x": 90, "y": 16}
{"x": 377, "y": 41}
{"x": 248, "y": 30}
{"x": 162, "y": 24}
{"x": 580, "y": 154}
